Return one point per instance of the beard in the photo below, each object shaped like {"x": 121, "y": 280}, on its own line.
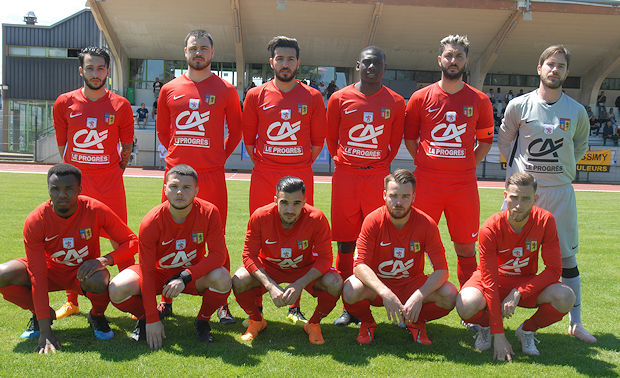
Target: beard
{"x": 199, "y": 65}
{"x": 88, "y": 83}
{"x": 285, "y": 79}
{"x": 399, "y": 216}
{"x": 452, "y": 75}
{"x": 552, "y": 84}
{"x": 179, "y": 207}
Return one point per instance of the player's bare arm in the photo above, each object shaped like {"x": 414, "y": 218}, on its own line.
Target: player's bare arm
{"x": 293, "y": 291}
{"x": 91, "y": 266}
{"x": 125, "y": 153}
{"x": 412, "y": 146}
{"x": 61, "y": 151}
{"x": 316, "y": 150}
{"x": 510, "y": 303}
{"x": 250, "y": 150}
{"x": 392, "y": 304}
{"x": 275, "y": 291}
{"x": 414, "y": 304}
{"x": 155, "y": 334}
{"x": 481, "y": 150}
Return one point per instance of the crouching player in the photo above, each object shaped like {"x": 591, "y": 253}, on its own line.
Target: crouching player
{"x": 389, "y": 265}
{"x": 172, "y": 260}
{"x": 511, "y": 242}
{"x": 61, "y": 239}
{"x": 287, "y": 241}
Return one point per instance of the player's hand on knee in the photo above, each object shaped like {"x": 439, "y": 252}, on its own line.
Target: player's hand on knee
{"x": 413, "y": 306}
{"x": 48, "y": 344}
{"x": 393, "y": 307}
{"x": 88, "y": 268}
{"x": 276, "y": 293}
{"x": 155, "y": 334}
{"x": 173, "y": 288}
{"x": 502, "y": 350}
{"x": 509, "y": 304}
{"x": 291, "y": 294}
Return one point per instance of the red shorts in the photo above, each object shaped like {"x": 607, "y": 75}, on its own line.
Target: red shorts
{"x": 506, "y": 284}
{"x": 60, "y": 279}
{"x": 264, "y": 180}
{"x": 211, "y": 188}
{"x": 456, "y": 197}
{"x": 403, "y": 290}
{"x": 106, "y": 185}
{"x": 355, "y": 194}
{"x": 162, "y": 276}
{"x": 291, "y": 276}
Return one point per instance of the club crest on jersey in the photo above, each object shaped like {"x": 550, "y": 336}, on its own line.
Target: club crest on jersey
{"x": 517, "y": 252}
{"x": 368, "y": 117}
{"x": 286, "y": 253}
{"x": 91, "y": 123}
{"x": 385, "y": 113}
{"x": 468, "y": 111}
{"x": 285, "y": 114}
{"x": 565, "y": 124}
{"x": 302, "y": 109}
{"x": 210, "y": 99}
{"x": 532, "y": 245}
{"x": 181, "y": 244}
{"x": 194, "y": 103}
{"x": 414, "y": 246}
{"x": 451, "y": 116}
{"x": 109, "y": 118}
{"x": 198, "y": 237}
{"x": 399, "y": 253}
{"x": 548, "y": 129}
{"x": 302, "y": 244}
{"x": 86, "y": 233}
{"x": 68, "y": 243}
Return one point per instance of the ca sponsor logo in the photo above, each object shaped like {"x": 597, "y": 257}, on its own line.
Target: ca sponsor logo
{"x": 283, "y": 133}
{"x": 287, "y": 263}
{"x": 513, "y": 267}
{"x": 365, "y": 136}
{"x": 177, "y": 259}
{"x": 192, "y": 123}
{"x": 544, "y": 150}
{"x": 89, "y": 141}
{"x": 395, "y": 269}
{"x": 448, "y": 134}
{"x": 71, "y": 256}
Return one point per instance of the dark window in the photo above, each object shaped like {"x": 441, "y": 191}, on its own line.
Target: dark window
{"x": 73, "y": 53}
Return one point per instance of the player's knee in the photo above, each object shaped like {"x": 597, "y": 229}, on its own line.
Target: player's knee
{"x": 97, "y": 283}
{"x": 469, "y": 301}
{"x": 465, "y": 249}
{"x": 447, "y": 295}
{"x": 219, "y": 279}
{"x": 332, "y": 283}
{"x": 563, "y": 298}
{"x": 346, "y": 247}
{"x": 351, "y": 290}
{"x": 241, "y": 280}
{"x": 13, "y": 273}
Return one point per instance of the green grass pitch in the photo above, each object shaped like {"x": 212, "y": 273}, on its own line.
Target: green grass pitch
{"x": 283, "y": 349}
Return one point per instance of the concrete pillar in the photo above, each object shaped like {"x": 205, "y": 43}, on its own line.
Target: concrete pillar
{"x": 591, "y": 81}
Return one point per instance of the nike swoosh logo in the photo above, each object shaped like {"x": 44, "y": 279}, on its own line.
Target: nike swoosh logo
{"x": 504, "y": 250}
{"x": 74, "y": 115}
{"x": 349, "y": 111}
{"x": 270, "y": 242}
{"x": 268, "y": 107}
{"x": 473, "y": 234}
{"x": 490, "y": 133}
{"x": 178, "y": 97}
{"x": 52, "y": 238}
{"x": 433, "y": 110}
{"x": 383, "y": 244}
{"x": 168, "y": 242}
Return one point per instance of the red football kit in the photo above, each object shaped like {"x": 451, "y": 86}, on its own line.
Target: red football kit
{"x": 190, "y": 124}
{"x": 56, "y": 247}
{"x": 91, "y": 132}
{"x": 167, "y": 248}
{"x": 282, "y": 127}
{"x": 363, "y": 135}
{"x": 510, "y": 260}
{"x": 447, "y": 126}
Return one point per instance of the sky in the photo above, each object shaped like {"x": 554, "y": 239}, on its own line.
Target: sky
{"x": 47, "y": 11}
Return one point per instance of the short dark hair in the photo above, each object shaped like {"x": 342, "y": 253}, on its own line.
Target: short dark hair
{"x": 64, "y": 169}
{"x": 199, "y": 33}
{"x": 400, "y": 176}
{"x": 454, "y": 40}
{"x": 290, "y": 184}
{"x": 183, "y": 170}
{"x": 551, "y": 51}
{"x": 522, "y": 179}
{"x": 94, "y": 51}
{"x": 282, "y": 41}
{"x": 376, "y": 49}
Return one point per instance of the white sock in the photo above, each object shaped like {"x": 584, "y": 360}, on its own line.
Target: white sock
{"x": 575, "y": 284}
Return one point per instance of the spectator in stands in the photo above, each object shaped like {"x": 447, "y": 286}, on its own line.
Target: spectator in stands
{"x": 603, "y": 116}
{"x": 520, "y": 92}
{"x": 594, "y": 125}
{"x": 143, "y": 115}
{"x": 499, "y": 97}
{"x": 331, "y": 88}
{"x": 322, "y": 87}
{"x": 154, "y": 109}
{"x": 608, "y": 133}
{"x": 509, "y": 96}
{"x": 600, "y": 103}
{"x": 157, "y": 87}
{"x": 491, "y": 95}
{"x": 618, "y": 102}
{"x": 612, "y": 116}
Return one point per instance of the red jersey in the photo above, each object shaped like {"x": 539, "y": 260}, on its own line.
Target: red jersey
{"x": 267, "y": 243}
{"x": 190, "y": 121}
{"x": 506, "y": 253}
{"x": 398, "y": 255}
{"x": 365, "y": 130}
{"x": 63, "y": 244}
{"x": 168, "y": 245}
{"x": 448, "y": 126}
{"x": 92, "y": 130}
{"x": 283, "y": 126}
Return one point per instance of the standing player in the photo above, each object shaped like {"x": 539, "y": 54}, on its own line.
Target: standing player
{"x": 448, "y": 117}
{"x": 511, "y": 242}
{"x": 172, "y": 260}
{"x": 90, "y": 122}
{"x": 192, "y": 112}
{"x": 389, "y": 267}
{"x": 61, "y": 238}
{"x": 283, "y": 130}
{"x": 364, "y": 131}
{"x": 287, "y": 241}
{"x": 545, "y": 133}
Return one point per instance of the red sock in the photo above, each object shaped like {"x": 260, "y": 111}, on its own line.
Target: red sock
{"x": 360, "y": 310}
{"x": 430, "y": 311}
{"x": 465, "y": 267}
{"x": 248, "y": 302}
{"x": 296, "y": 304}
{"x": 325, "y": 304}
{"x": 546, "y": 315}
{"x": 481, "y": 318}
{"x": 99, "y": 301}
{"x": 19, "y": 295}
{"x": 72, "y": 297}
{"x": 132, "y": 305}
{"x": 211, "y": 301}
{"x": 344, "y": 264}
{"x": 166, "y": 300}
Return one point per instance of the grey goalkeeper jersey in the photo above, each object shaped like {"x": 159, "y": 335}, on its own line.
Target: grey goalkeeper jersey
{"x": 544, "y": 140}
